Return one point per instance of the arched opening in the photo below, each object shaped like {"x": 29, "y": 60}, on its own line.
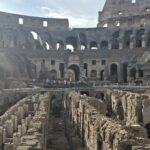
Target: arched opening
{"x": 93, "y": 74}
{"x": 70, "y": 47}
{"x": 148, "y": 39}
{"x": 148, "y": 130}
{"x": 47, "y": 38}
{"x": 104, "y": 45}
{"x": 141, "y": 74}
{"x": 47, "y": 46}
{"x": 127, "y": 35}
{"x": 59, "y": 45}
{"x": 133, "y": 73}
{"x": 2, "y": 73}
{"x": 139, "y": 35}
{"x": 83, "y": 41}
{"x": 71, "y": 43}
{"x": 76, "y": 70}
{"x": 114, "y": 73}
{"x": 93, "y": 45}
{"x": 53, "y": 75}
{"x": 102, "y": 75}
{"x": 37, "y": 40}
{"x": 83, "y": 46}
{"x": 115, "y": 43}
{"x": 125, "y": 74}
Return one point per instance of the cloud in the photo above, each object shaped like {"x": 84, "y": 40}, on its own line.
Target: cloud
{"x": 81, "y": 13}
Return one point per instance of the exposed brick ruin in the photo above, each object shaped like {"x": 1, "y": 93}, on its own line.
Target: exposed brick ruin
{"x": 24, "y": 125}
{"x": 99, "y": 132}
{"x": 34, "y": 50}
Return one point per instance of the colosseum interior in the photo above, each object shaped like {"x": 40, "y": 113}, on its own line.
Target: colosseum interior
{"x": 79, "y": 88}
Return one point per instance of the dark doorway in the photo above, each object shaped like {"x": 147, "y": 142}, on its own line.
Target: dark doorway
{"x": 76, "y": 70}
{"x": 102, "y": 75}
{"x": 85, "y": 66}
{"x": 133, "y": 73}
{"x": 148, "y": 130}
{"x": 125, "y": 73}
{"x": 114, "y": 73}
{"x": 62, "y": 70}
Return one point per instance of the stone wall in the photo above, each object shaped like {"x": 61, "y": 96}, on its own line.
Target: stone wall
{"x": 24, "y": 125}
{"x": 99, "y": 132}
{"x": 131, "y": 107}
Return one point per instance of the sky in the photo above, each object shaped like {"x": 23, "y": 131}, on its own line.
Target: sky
{"x": 81, "y": 13}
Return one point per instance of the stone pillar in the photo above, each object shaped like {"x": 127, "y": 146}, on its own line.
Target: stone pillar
{"x": 55, "y": 46}
{"x": 26, "y": 109}
{"x": 36, "y": 106}
{"x": 120, "y": 43}
{"x": 9, "y": 128}
{"x": 81, "y": 71}
{"x": 98, "y": 46}
{"x": 15, "y": 122}
{"x": 88, "y": 46}
{"x": 109, "y": 45}
{"x": 16, "y": 140}
{"x": 132, "y": 41}
{"x": 27, "y": 120}
{"x": 24, "y": 127}
{"x": 78, "y": 47}
{"x": 66, "y": 72}
{"x": 143, "y": 41}
{"x": 1, "y": 138}
{"x": 20, "y": 130}
{"x": 4, "y": 135}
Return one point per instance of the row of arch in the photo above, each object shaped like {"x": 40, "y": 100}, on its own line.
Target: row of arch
{"x": 73, "y": 43}
{"x": 34, "y": 40}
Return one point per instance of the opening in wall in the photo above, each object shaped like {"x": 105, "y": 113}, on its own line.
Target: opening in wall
{"x": 105, "y": 25}
{"x": 45, "y": 24}
{"x": 133, "y": 1}
{"x": 117, "y": 23}
{"x": 20, "y": 20}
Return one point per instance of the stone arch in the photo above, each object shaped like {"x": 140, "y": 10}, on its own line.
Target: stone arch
{"x": 115, "y": 42}
{"x": 47, "y": 38}
{"x": 104, "y": 45}
{"x": 53, "y": 74}
{"x": 139, "y": 35}
{"x": 83, "y": 41}
{"x": 93, "y": 74}
{"x": 38, "y": 43}
{"x": 93, "y": 45}
{"x": 114, "y": 72}
{"x": 71, "y": 41}
{"x": 83, "y": 46}
{"x": 127, "y": 35}
{"x": 102, "y": 75}
{"x": 59, "y": 45}
{"x": 76, "y": 70}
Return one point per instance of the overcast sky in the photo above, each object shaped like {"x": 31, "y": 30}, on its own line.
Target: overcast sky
{"x": 81, "y": 13}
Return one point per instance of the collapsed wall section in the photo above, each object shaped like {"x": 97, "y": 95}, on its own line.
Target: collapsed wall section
{"x": 24, "y": 125}
{"x": 97, "y": 131}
